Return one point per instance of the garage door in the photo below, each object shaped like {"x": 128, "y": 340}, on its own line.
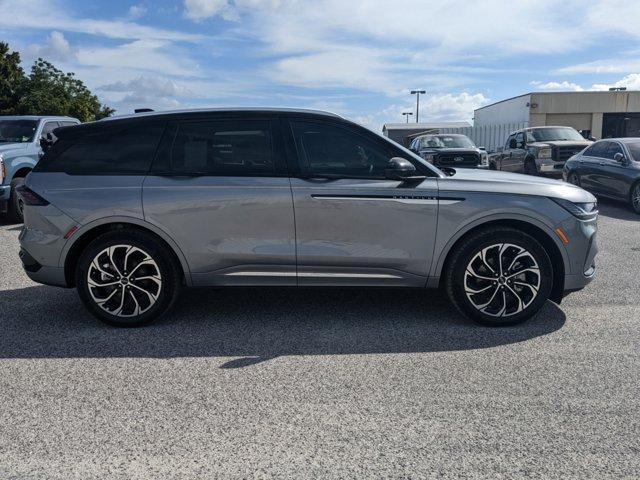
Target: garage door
{"x": 579, "y": 121}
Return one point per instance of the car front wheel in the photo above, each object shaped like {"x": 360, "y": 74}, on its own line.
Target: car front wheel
{"x": 635, "y": 198}
{"x": 500, "y": 276}
{"x": 127, "y": 278}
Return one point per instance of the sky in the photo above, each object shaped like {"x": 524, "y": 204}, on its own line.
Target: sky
{"x": 357, "y": 58}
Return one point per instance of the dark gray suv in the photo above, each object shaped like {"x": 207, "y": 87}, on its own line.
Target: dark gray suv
{"x": 131, "y": 209}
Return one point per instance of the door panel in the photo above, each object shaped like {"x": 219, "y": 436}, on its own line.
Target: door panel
{"x": 361, "y": 232}
{"x": 232, "y": 230}
{"x": 218, "y": 188}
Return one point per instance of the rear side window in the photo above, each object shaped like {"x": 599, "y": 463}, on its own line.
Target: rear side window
{"x": 111, "y": 151}
{"x": 233, "y": 148}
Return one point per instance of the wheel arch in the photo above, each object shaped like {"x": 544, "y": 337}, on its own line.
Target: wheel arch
{"x": 72, "y": 250}
{"x": 536, "y": 229}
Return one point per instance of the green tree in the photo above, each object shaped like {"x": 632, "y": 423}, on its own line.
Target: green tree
{"x": 12, "y": 80}
{"x": 49, "y": 91}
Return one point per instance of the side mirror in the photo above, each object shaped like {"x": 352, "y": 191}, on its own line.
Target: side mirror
{"x": 513, "y": 143}
{"x": 620, "y": 158}
{"x": 399, "y": 169}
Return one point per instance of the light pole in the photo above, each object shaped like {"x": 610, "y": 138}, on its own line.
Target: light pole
{"x": 407, "y": 114}
{"x": 418, "y": 92}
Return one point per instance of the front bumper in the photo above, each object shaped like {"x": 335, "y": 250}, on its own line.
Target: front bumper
{"x": 550, "y": 167}
{"x": 582, "y": 250}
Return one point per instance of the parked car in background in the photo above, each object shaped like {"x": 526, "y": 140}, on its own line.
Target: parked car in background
{"x": 538, "y": 150}
{"x": 130, "y": 209}
{"x": 450, "y": 150}
{"x": 20, "y": 150}
{"x": 610, "y": 168}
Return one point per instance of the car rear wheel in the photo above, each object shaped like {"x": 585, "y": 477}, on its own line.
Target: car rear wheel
{"x": 127, "y": 278}
{"x": 530, "y": 167}
{"x": 16, "y": 204}
{"x": 635, "y": 198}
{"x": 500, "y": 276}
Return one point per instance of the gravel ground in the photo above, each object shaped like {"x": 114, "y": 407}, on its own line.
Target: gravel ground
{"x": 325, "y": 383}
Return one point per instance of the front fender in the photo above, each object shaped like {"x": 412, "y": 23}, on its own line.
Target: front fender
{"x": 450, "y": 234}
{"x": 13, "y": 165}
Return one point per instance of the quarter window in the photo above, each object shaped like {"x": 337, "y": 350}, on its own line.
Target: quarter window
{"x": 111, "y": 151}
{"x": 333, "y": 150}
{"x": 223, "y": 148}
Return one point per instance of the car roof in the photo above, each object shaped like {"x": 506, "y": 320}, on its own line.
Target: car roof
{"x": 37, "y": 117}
{"x": 622, "y": 139}
{"x": 220, "y": 110}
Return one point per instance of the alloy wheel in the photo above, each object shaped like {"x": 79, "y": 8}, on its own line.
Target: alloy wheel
{"x": 635, "y": 198}
{"x": 124, "y": 280}
{"x": 502, "y": 280}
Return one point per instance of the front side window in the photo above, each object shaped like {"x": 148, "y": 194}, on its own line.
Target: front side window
{"x": 634, "y": 149}
{"x": 234, "y": 148}
{"x": 111, "y": 151}
{"x": 596, "y": 150}
{"x": 614, "y": 147}
{"x": 520, "y": 140}
{"x": 17, "y": 131}
{"x": 333, "y": 150}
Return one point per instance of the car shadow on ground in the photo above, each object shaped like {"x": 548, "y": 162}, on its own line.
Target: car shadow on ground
{"x": 255, "y": 325}
{"x": 617, "y": 210}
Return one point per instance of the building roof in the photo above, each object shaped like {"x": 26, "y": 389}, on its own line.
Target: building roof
{"x": 572, "y": 92}
{"x": 35, "y": 117}
{"x": 424, "y": 126}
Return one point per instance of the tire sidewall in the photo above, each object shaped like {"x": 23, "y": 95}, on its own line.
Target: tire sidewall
{"x": 471, "y": 248}
{"x": 166, "y": 265}
{"x": 14, "y": 205}
{"x": 634, "y": 189}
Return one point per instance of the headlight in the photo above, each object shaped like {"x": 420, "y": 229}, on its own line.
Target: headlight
{"x": 583, "y": 211}
{"x": 484, "y": 158}
{"x": 544, "y": 153}
{"x": 430, "y": 158}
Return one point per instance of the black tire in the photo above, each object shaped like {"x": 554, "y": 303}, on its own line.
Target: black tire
{"x": 530, "y": 167}
{"x": 15, "y": 202}
{"x": 164, "y": 267}
{"x": 457, "y": 280}
{"x": 492, "y": 166}
{"x": 574, "y": 179}
{"x": 634, "y": 199}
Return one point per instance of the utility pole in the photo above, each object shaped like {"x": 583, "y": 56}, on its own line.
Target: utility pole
{"x": 418, "y": 92}
{"x": 407, "y": 114}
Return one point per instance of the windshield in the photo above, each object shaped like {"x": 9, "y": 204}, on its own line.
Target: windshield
{"x": 17, "y": 131}
{"x": 555, "y": 133}
{"x": 449, "y": 141}
{"x": 634, "y": 148}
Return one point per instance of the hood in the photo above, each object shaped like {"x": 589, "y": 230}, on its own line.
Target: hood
{"x": 492, "y": 181}
{"x": 6, "y": 147}
{"x": 560, "y": 143}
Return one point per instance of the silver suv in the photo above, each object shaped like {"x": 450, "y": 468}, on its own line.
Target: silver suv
{"x": 131, "y": 209}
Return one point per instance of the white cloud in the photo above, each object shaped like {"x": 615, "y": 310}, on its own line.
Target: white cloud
{"x": 50, "y": 15}
{"x": 146, "y": 92}
{"x": 201, "y": 9}
{"x": 56, "y": 47}
{"x": 445, "y": 107}
{"x": 563, "y": 86}
{"x": 137, "y": 11}
{"x": 614, "y": 65}
{"x": 631, "y": 82}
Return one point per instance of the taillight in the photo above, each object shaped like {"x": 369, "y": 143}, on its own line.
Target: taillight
{"x": 29, "y": 197}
